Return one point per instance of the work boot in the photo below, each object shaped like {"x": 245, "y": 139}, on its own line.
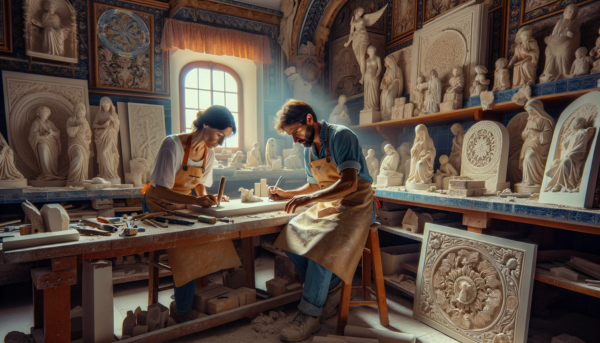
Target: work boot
{"x": 300, "y": 328}
{"x": 330, "y": 308}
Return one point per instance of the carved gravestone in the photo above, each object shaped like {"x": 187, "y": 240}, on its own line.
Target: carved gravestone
{"x": 572, "y": 165}
{"x": 475, "y": 288}
{"x": 485, "y": 155}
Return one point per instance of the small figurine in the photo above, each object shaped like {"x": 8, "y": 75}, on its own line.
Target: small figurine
{"x": 339, "y": 115}
{"x": 454, "y": 93}
{"x": 525, "y": 59}
{"x": 248, "y": 195}
{"x": 501, "y": 76}
{"x": 419, "y": 97}
{"x": 481, "y": 83}
{"x": 595, "y": 55}
{"x": 582, "y": 64}
{"x": 433, "y": 98}
{"x": 446, "y": 170}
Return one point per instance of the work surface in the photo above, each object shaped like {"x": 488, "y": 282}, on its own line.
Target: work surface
{"x": 154, "y": 238}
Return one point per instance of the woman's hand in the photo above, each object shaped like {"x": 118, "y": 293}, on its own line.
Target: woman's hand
{"x": 277, "y": 193}
{"x": 298, "y": 201}
{"x": 224, "y": 198}
{"x": 206, "y": 200}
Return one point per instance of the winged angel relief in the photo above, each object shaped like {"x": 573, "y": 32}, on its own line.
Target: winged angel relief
{"x": 359, "y": 36}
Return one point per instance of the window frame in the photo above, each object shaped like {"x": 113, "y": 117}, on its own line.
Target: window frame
{"x": 220, "y": 67}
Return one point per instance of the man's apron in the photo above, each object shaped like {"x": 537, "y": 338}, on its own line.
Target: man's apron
{"x": 191, "y": 262}
{"x": 333, "y": 234}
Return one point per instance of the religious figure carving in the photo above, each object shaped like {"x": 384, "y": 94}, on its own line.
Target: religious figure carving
{"x": 481, "y": 83}
{"x": 300, "y": 88}
{"x": 254, "y": 158}
{"x": 422, "y": 156}
{"x": 296, "y": 158}
{"x": 391, "y": 86}
{"x": 457, "y": 142}
{"x": 537, "y": 137}
{"x": 561, "y": 46}
{"x": 106, "y": 135}
{"x": 419, "y": 97}
{"x": 582, "y": 64}
{"x": 339, "y": 115}
{"x": 501, "y": 76}
{"x": 371, "y": 79}
{"x": 454, "y": 93}
{"x": 359, "y": 36}
{"x": 54, "y": 35}
{"x": 433, "y": 97}
{"x": 140, "y": 168}
{"x": 595, "y": 55}
{"x": 248, "y": 195}
{"x": 388, "y": 174}
{"x": 566, "y": 171}
{"x": 515, "y": 128}
{"x": 446, "y": 171}
{"x": 289, "y": 8}
{"x": 372, "y": 164}
{"x": 271, "y": 152}
{"x": 44, "y": 139}
{"x": 8, "y": 170}
{"x": 80, "y": 138}
{"x": 236, "y": 160}
{"x": 404, "y": 152}
{"x": 525, "y": 59}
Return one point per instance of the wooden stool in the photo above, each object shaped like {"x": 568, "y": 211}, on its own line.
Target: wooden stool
{"x": 371, "y": 254}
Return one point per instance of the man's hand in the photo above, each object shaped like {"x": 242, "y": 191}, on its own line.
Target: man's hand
{"x": 206, "y": 201}
{"x": 298, "y": 201}
{"x": 277, "y": 193}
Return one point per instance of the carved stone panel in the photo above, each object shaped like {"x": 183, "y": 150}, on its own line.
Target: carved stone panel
{"x": 23, "y": 94}
{"x": 515, "y": 128}
{"x": 475, "y": 288}
{"x": 404, "y": 57}
{"x": 459, "y": 39}
{"x": 485, "y": 154}
{"x": 572, "y": 165}
{"x": 146, "y": 130}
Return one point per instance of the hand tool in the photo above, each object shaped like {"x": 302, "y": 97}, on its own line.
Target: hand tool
{"x": 105, "y": 227}
{"x": 127, "y": 232}
{"x": 174, "y": 221}
{"x": 17, "y": 221}
{"x": 221, "y": 189}
{"x": 86, "y": 230}
{"x": 225, "y": 220}
{"x": 276, "y": 185}
{"x": 146, "y": 221}
{"x": 206, "y": 219}
{"x": 159, "y": 224}
{"x": 103, "y": 220}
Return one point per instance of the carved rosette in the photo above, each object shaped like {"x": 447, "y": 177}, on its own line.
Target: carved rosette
{"x": 471, "y": 287}
{"x": 482, "y": 147}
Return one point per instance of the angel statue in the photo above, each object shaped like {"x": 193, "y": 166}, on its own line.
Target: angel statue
{"x": 359, "y": 36}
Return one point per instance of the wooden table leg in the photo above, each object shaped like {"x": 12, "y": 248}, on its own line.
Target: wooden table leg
{"x": 153, "y": 278}
{"x": 57, "y": 314}
{"x": 248, "y": 261}
{"x": 366, "y": 272}
{"x": 38, "y": 308}
{"x": 477, "y": 222}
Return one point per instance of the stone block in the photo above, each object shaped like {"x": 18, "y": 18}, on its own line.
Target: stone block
{"x": 223, "y": 303}
{"x": 235, "y": 279}
{"x": 34, "y": 216}
{"x": 201, "y": 299}
{"x": 466, "y": 184}
{"x": 398, "y": 109}
{"x": 245, "y": 295}
{"x": 103, "y": 204}
{"x": 153, "y": 319}
{"x": 140, "y": 330}
{"x": 285, "y": 267}
{"x": 385, "y": 181}
{"x": 257, "y": 189}
{"x": 409, "y": 110}
{"x": 277, "y": 286}
{"x": 369, "y": 116}
{"x": 466, "y": 192}
{"x": 129, "y": 324}
{"x": 55, "y": 218}
{"x": 98, "y": 312}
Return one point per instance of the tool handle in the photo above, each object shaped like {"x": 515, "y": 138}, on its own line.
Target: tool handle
{"x": 221, "y": 190}
{"x": 105, "y": 227}
{"x": 89, "y": 231}
{"x": 175, "y": 221}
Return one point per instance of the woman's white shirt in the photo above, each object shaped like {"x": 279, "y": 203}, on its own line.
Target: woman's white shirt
{"x": 170, "y": 159}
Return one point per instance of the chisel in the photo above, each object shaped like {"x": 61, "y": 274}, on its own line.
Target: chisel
{"x": 105, "y": 227}
{"x": 174, "y": 221}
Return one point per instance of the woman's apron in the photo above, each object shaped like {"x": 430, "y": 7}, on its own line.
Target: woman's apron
{"x": 333, "y": 234}
{"x": 191, "y": 262}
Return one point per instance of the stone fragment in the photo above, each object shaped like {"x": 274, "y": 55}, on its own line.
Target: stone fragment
{"x": 235, "y": 279}
{"x": 128, "y": 324}
{"x": 164, "y": 313}
{"x": 55, "y": 218}
{"x": 245, "y": 295}
{"x": 153, "y": 319}
{"x": 564, "y": 273}
{"x": 201, "y": 299}
{"x": 34, "y": 216}
{"x": 277, "y": 286}
{"x": 223, "y": 303}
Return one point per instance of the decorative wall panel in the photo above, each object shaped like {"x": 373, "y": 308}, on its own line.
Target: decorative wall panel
{"x": 475, "y": 288}
{"x": 404, "y": 18}
{"x": 532, "y": 10}
{"x": 435, "y": 8}
{"x": 146, "y": 130}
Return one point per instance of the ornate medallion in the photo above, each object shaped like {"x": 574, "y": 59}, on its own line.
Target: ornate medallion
{"x": 482, "y": 147}
{"x": 124, "y": 33}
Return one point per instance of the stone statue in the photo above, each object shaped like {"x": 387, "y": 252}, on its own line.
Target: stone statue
{"x": 80, "y": 138}
{"x": 392, "y": 85}
{"x": 537, "y": 137}
{"x": 371, "y": 79}
{"x": 296, "y": 158}
{"x": 248, "y": 195}
{"x": 481, "y": 83}
{"x": 388, "y": 174}
{"x": 566, "y": 171}
{"x": 561, "y": 46}
{"x": 372, "y": 164}
{"x": 44, "y": 139}
{"x": 300, "y": 87}
{"x": 582, "y": 64}
{"x": 417, "y": 97}
{"x": 454, "y": 93}
{"x": 254, "y": 158}
{"x": 404, "y": 152}
{"x": 271, "y": 152}
{"x": 236, "y": 160}
{"x": 106, "y": 135}
{"x": 289, "y": 8}
{"x": 595, "y": 55}
{"x": 422, "y": 156}
{"x": 8, "y": 170}
{"x": 501, "y": 76}
{"x": 54, "y": 36}
{"x": 457, "y": 143}
{"x": 433, "y": 97}
{"x": 525, "y": 59}
{"x": 359, "y": 36}
{"x": 446, "y": 171}
{"x": 140, "y": 168}
{"x": 339, "y": 115}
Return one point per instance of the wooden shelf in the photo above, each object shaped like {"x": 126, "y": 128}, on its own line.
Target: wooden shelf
{"x": 389, "y": 282}
{"x": 400, "y": 232}
{"x": 578, "y": 286}
{"x": 412, "y": 266}
{"x": 128, "y": 209}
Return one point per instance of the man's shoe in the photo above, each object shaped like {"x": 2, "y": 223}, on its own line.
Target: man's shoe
{"x": 330, "y": 308}
{"x": 300, "y": 328}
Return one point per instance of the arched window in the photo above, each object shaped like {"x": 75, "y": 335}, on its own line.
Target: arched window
{"x": 203, "y": 84}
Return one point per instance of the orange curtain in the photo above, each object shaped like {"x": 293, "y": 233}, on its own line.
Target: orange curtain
{"x": 215, "y": 41}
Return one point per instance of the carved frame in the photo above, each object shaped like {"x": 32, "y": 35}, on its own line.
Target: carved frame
{"x": 405, "y": 35}
{"x": 562, "y": 9}
{"x": 498, "y": 257}
{"x": 214, "y": 66}
{"x": 6, "y": 45}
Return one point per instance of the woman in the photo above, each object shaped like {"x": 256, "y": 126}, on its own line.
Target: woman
{"x": 44, "y": 138}
{"x": 80, "y": 138}
{"x": 422, "y": 156}
{"x": 371, "y": 77}
{"x": 185, "y": 163}
{"x": 106, "y": 132}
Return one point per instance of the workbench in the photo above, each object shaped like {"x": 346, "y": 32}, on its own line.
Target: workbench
{"x": 51, "y": 285}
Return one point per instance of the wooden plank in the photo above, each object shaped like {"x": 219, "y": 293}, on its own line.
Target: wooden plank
{"x": 261, "y": 231}
{"x": 153, "y": 273}
{"x": 578, "y": 286}
{"x": 400, "y": 232}
{"x": 63, "y": 263}
{"x": 248, "y": 262}
{"x": 549, "y": 223}
{"x": 45, "y": 278}
{"x": 212, "y": 321}
{"x": 57, "y": 314}
{"x": 475, "y": 219}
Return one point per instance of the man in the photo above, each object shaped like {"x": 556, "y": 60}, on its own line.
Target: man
{"x": 326, "y": 241}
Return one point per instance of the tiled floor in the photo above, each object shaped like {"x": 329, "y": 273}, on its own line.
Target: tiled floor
{"x": 16, "y": 313}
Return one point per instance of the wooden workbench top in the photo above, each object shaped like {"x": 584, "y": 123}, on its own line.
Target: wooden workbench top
{"x": 91, "y": 247}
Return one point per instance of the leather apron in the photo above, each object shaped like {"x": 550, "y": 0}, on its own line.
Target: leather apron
{"x": 191, "y": 262}
{"x": 333, "y": 234}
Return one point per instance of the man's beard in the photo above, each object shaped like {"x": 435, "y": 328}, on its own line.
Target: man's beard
{"x": 307, "y": 142}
